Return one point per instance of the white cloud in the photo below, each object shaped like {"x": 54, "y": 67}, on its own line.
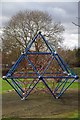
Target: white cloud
{"x": 65, "y": 13}
{"x": 1, "y": 31}
{"x": 70, "y": 28}
{"x": 59, "y": 11}
{"x": 4, "y": 18}
{"x": 79, "y": 40}
{"x": 70, "y": 40}
{"x": 60, "y": 14}
{"x": 39, "y": 1}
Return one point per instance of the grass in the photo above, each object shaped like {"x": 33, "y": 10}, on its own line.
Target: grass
{"x": 7, "y": 87}
{"x": 4, "y": 86}
{"x": 77, "y": 70}
{"x": 67, "y": 115}
{"x": 73, "y": 115}
{"x": 40, "y": 119}
{"x": 41, "y": 106}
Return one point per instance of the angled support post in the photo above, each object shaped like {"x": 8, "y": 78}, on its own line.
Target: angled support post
{"x": 48, "y": 87}
{"x": 65, "y": 89}
{"x": 17, "y": 85}
{"x": 58, "y": 86}
{"x": 27, "y": 94}
{"x": 15, "y": 66}
{"x": 14, "y": 88}
{"x": 63, "y": 85}
{"x": 41, "y": 73}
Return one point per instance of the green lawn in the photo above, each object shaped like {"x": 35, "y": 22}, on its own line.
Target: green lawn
{"x": 67, "y": 115}
{"x": 6, "y": 86}
{"x": 77, "y": 70}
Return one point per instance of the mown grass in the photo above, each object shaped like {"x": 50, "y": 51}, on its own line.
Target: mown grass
{"x": 67, "y": 115}
{"x": 4, "y": 86}
{"x": 42, "y": 106}
{"x": 7, "y": 87}
{"x": 77, "y": 71}
{"x": 40, "y": 119}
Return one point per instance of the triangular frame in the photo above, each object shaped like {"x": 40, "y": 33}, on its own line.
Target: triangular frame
{"x": 56, "y": 56}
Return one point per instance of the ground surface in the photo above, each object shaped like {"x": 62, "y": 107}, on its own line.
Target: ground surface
{"x": 40, "y": 105}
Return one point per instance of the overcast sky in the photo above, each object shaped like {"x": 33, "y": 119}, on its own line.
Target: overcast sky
{"x": 64, "y": 12}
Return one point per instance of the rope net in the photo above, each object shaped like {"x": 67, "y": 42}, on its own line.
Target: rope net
{"x": 40, "y": 64}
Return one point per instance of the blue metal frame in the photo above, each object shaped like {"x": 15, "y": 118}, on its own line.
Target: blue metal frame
{"x": 63, "y": 79}
{"x": 11, "y": 71}
{"x": 14, "y": 81}
{"x": 60, "y": 94}
{"x": 48, "y": 77}
{"x": 13, "y": 86}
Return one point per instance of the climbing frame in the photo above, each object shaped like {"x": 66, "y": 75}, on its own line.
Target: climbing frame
{"x": 40, "y": 63}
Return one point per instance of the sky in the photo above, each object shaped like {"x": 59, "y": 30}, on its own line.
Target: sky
{"x": 64, "y": 12}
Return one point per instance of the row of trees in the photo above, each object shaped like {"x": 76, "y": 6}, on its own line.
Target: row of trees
{"x": 71, "y": 57}
{"x": 21, "y": 29}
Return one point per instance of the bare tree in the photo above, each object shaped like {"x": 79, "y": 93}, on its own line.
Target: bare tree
{"x": 76, "y": 23}
{"x": 22, "y": 27}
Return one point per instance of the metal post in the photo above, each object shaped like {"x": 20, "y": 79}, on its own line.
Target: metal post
{"x": 30, "y": 85}
{"x": 65, "y": 89}
{"x": 15, "y": 66}
{"x": 47, "y": 66}
{"x": 14, "y": 89}
{"x": 48, "y": 87}
{"x": 60, "y": 64}
{"x": 33, "y": 40}
{"x": 45, "y": 42}
{"x": 18, "y": 85}
{"x": 58, "y": 86}
{"x": 42, "y": 77}
{"x": 39, "y": 53}
{"x": 63, "y": 63}
{"x": 31, "y": 89}
{"x": 63, "y": 86}
{"x": 32, "y": 66}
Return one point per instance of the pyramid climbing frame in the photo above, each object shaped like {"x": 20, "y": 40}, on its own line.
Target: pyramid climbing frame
{"x": 37, "y": 65}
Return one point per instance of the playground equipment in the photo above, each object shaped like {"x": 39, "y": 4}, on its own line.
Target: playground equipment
{"x": 40, "y": 63}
